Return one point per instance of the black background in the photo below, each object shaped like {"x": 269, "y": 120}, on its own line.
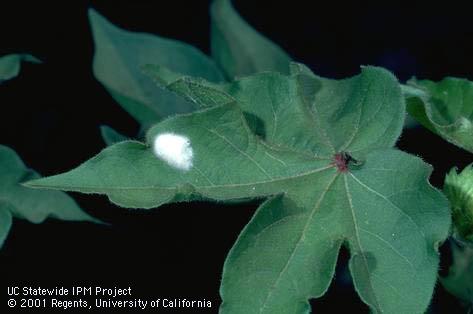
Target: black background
{"x": 51, "y": 113}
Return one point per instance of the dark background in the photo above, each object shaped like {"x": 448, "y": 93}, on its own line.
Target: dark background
{"x": 50, "y": 115}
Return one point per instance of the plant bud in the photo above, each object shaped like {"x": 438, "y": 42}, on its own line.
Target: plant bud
{"x": 459, "y": 189}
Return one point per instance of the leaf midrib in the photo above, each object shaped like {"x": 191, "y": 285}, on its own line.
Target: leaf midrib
{"x": 360, "y": 248}
{"x": 205, "y": 187}
{"x": 302, "y": 236}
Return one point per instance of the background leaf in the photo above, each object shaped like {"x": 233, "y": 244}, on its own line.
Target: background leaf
{"x": 238, "y": 48}
{"x": 10, "y": 65}
{"x": 445, "y": 108}
{"x": 32, "y": 205}
{"x": 110, "y": 136}
{"x": 117, "y": 60}
{"x": 5, "y": 223}
{"x": 459, "y": 280}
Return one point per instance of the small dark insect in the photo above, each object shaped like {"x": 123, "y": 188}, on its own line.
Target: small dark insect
{"x": 342, "y": 159}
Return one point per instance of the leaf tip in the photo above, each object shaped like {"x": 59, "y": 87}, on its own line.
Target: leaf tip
{"x": 96, "y": 21}
{"x": 37, "y": 184}
{"x": 28, "y": 184}
{"x": 93, "y": 14}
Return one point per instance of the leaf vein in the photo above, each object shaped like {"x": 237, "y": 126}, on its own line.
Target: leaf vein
{"x": 240, "y": 151}
{"x": 390, "y": 246}
{"x": 390, "y": 202}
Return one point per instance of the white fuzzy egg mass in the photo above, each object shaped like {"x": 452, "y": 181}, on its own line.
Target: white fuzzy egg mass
{"x": 174, "y": 149}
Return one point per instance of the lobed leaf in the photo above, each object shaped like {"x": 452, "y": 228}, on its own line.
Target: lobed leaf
{"x": 119, "y": 54}
{"x": 10, "y": 65}
{"x": 445, "y": 108}
{"x": 318, "y": 197}
{"x": 238, "y": 48}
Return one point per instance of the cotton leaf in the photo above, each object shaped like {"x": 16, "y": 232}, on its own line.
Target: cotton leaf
{"x": 324, "y": 163}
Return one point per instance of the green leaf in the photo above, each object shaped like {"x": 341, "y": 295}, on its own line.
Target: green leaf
{"x": 119, "y": 54}
{"x": 445, "y": 108}
{"x": 110, "y": 136}
{"x": 133, "y": 176}
{"x": 5, "y": 223}
{"x": 238, "y": 48}
{"x": 318, "y": 197}
{"x": 10, "y": 65}
{"x": 32, "y": 205}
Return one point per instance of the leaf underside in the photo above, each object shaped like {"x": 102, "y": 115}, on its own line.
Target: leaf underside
{"x": 445, "y": 108}
{"x": 25, "y": 203}
{"x": 281, "y": 138}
